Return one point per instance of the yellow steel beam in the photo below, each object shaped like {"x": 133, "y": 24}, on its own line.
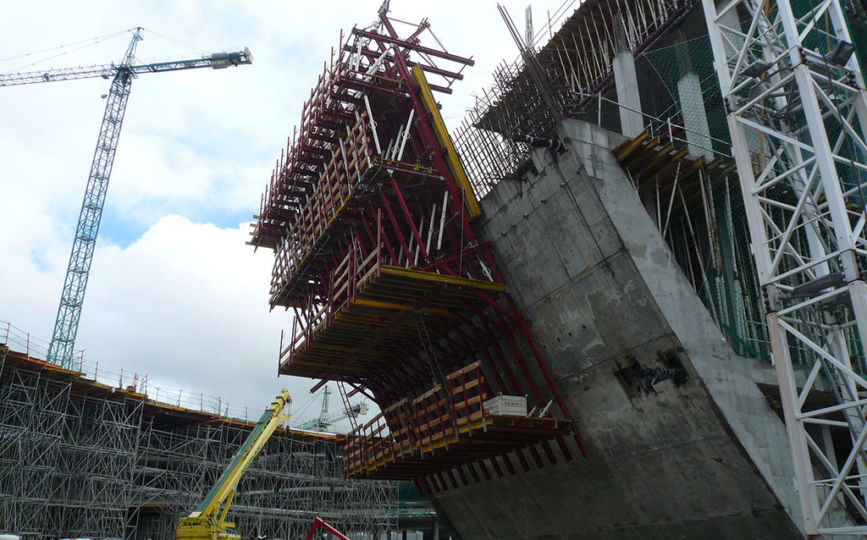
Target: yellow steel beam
{"x": 394, "y": 306}
{"x": 442, "y": 278}
{"x": 451, "y": 158}
{"x": 625, "y": 150}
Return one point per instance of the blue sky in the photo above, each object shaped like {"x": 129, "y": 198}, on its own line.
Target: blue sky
{"x": 174, "y": 292}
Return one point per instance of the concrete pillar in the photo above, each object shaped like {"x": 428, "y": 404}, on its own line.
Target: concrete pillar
{"x": 626, "y": 84}
{"x": 692, "y": 103}
{"x": 436, "y": 529}
{"x": 628, "y": 98}
{"x": 694, "y": 115}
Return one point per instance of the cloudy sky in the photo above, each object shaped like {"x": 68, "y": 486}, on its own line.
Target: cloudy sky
{"x": 173, "y": 290}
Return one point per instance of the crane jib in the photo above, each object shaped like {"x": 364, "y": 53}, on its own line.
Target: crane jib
{"x": 219, "y": 60}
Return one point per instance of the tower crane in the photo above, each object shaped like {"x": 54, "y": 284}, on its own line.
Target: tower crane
{"x": 68, "y": 313}
{"x": 323, "y": 422}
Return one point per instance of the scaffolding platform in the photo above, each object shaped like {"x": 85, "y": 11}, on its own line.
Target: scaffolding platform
{"x": 442, "y": 428}
{"x": 375, "y": 314}
{"x": 486, "y": 437}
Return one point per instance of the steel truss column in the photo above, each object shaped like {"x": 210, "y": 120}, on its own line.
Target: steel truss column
{"x": 797, "y": 112}
{"x": 66, "y": 326}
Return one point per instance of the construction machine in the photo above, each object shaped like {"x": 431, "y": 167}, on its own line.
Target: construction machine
{"x": 323, "y": 422}
{"x": 60, "y": 350}
{"x": 208, "y": 521}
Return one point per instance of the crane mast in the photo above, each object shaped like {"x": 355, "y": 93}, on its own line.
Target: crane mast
{"x": 77, "y": 271}
{"x": 323, "y": 422}
{"x": 60, "y": 350}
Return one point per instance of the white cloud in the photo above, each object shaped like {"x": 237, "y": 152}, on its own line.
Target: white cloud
{"x": 187, "y": 301}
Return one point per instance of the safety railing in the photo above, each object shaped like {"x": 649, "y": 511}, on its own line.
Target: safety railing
{"x": 22, "y": 341}
{"x": 413, "y": 428}
{"x": 34, "y": 348}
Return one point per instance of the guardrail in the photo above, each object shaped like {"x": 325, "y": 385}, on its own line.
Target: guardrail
{"x": 413, "y": 428}
{"x": 35, "y": 348}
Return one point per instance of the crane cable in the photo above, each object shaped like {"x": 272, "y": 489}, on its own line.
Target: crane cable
{"x": 78, "y": 45}
{"x": 186, "y": 44}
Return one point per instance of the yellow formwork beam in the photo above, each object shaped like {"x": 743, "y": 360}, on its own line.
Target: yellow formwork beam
{"x": 471, "y": 205}
{"x": 432, "y": 277}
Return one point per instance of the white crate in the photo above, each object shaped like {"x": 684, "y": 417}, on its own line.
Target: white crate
{"x": 506, "y": 406}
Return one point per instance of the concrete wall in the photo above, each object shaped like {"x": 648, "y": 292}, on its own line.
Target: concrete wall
{"x": 707, "y": 459}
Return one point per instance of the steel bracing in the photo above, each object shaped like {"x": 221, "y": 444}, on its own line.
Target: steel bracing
{"x": 796, "y": 110}
{"x": 82, "y": 459}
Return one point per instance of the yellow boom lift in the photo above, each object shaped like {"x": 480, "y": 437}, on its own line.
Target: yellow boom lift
{"x": 208, "y": 522}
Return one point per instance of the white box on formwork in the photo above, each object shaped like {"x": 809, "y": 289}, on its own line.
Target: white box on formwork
{"x": 506, "y": 405}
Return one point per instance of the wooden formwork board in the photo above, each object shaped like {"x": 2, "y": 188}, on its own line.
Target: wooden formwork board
{"x": 658, "y": 165}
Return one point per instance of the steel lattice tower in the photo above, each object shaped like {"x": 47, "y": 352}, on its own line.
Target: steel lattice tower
{"x": 78, "y": 270}
{"x": 797, "y": 112}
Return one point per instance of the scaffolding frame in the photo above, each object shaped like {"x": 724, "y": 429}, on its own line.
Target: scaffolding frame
{"x": 576, "y": 67}
{"x": 797, "y": 110}
{"x": 81, "y": 459}
{"x": 369, "y": 213}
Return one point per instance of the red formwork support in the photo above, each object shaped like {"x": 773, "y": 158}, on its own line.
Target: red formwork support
{"x": 375, "y": 252}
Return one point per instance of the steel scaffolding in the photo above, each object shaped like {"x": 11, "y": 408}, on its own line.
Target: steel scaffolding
{"x": 797, "y": 110}
{"x": 81, "y": 459}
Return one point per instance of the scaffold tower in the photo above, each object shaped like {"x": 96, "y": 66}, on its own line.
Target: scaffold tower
{"x": 797, "y": 111}
{"x": 81, "y": 458}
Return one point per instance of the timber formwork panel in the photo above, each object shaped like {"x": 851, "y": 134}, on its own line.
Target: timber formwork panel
{"x": 369, "y": 213}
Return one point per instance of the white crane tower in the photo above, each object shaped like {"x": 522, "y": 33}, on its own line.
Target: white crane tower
{"x": 324, "y": 421}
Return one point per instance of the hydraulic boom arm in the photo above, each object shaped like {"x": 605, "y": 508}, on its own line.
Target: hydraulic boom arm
{"x": 209, "y": 519}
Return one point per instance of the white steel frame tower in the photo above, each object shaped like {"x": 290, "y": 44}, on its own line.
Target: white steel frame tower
{"x": 797, "y": 113}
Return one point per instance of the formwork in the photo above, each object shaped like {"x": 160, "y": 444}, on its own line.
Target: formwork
{"x": 81, "y": 458}
{"x": 369, "y": 213}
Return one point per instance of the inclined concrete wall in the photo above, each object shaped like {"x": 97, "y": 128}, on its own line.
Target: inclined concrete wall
{"x": 589, "y": 269}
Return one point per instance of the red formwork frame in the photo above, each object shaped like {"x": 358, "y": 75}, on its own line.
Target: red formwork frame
{"x": 357, "y": 190}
